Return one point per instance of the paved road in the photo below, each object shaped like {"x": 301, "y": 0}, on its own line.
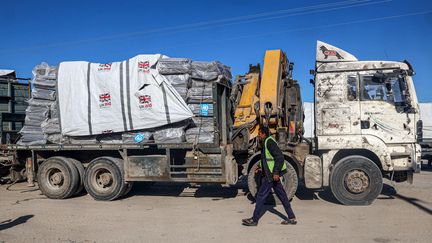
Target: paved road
{"x": 173, "y": 213}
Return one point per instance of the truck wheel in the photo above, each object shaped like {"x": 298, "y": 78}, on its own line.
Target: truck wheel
{"x": 58, "y": 178}
{"x": 81, "y": 172}
{"x": 127, "y": 188}
{"x": 289, "y": 181}
{"x": 356, "y": 180}
{"x": 104, "y": 178}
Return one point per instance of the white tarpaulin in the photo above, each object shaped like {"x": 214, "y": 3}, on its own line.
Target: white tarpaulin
{"x": 99, "y": 98}
{"x": 5, "y": 72}
{"x": 309, "y": 121}
{"x": 426, "y": 117}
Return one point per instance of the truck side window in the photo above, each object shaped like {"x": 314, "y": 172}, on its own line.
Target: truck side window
{"x": 373, "y": 88}
{"x": 397, "y": 92}
{"x": 352, "y": 87}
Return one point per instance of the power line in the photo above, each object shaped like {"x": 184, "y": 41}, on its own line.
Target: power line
{"x": 284, "y": 16}
{"x": 311, "y": 28}
{"x": 318, "y": 8}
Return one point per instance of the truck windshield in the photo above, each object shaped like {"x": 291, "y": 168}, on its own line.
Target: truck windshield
{"x": 382, "y": 89}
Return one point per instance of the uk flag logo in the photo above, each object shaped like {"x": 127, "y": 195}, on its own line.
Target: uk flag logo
{"x": 105, "y": 100}
{"x": 145, "y": 101}
{"x": 144, "y": 66}
{"x": 104, "y": 67}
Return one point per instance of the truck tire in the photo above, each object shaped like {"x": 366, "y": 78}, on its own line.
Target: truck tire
{"x": 58, "y": 178}
{"x": 81, "y": 171}
{"x": 127, "y": 188}
{"x": 356, "y": 180}
{"x": 104, "y": 178}
{"x": 289, "y": 181}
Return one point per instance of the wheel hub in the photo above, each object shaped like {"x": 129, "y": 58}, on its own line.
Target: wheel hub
{"x": 57, "y": 178}
{"x": 356, "y": 181}
{"x": 105, "y": 179}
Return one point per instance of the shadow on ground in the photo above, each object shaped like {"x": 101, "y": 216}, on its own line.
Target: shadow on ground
{"x": 389, "y": 192}
{"x": 12, "y": 223}
{"x": 217, "y": 192}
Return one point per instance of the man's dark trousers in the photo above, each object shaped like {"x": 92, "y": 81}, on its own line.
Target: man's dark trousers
{"x": 262, "y": 194}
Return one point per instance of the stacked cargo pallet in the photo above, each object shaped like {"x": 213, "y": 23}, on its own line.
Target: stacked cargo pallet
{"x": 38, "y": 116}
{"x": 196, "y": 87}
{"x": 204, "y": 76}
{"x": 177, "y": 72}
{"x": 193, "y": 81}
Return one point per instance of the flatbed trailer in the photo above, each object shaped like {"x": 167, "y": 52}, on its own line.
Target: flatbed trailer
{"x": 169, "y": 162}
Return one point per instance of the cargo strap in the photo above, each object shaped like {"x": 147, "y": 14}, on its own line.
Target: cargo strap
{"x": 89, "y": 100}
{"x": 122, "y": 97}
{"x": 128, "y": 96}
{"x": 166, "y": 104}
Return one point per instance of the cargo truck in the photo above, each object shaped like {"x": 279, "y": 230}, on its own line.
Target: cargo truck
{"x": 366, "y": 129}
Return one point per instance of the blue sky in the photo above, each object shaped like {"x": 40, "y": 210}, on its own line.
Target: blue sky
{"x": 236, "y": 33}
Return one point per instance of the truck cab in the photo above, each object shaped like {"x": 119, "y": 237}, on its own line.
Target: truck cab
{"x": 366, "y": 123}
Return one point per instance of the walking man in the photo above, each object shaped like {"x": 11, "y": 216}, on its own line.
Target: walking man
{"x": 272, "y": 167}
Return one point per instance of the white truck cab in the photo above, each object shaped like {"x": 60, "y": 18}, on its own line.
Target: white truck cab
{"x": 366, "y": 124}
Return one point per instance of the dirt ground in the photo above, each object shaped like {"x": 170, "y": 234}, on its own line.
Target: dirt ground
{"x": 176, "y": 213}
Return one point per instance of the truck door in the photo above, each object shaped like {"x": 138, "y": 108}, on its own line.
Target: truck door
{"x": 337, "y": 108}
{"x": 384, "y": 110}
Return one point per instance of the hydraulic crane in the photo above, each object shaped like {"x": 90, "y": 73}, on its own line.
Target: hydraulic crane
{"x": 271, "y": 98}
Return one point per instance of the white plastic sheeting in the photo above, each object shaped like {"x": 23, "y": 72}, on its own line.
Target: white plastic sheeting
{"x": 99, "y": 98}
{"x": 5, "y": 72}
{"x": 426, "y": 117}
{"x": 309, "y": 125}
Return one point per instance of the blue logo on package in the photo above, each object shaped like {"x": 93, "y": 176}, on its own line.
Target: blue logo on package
{"x": 204, "y": 109}
{"x": 139, "y": 137}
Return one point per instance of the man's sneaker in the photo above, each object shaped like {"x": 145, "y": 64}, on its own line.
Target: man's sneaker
{"x": 249, "y": 222}
{"x": 289, "y": 221}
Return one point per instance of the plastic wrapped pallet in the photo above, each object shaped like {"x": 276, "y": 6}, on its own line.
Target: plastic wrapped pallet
{"x": 203, "y": 121}
{"x": 179, "y": 79}
{"x": 42, "y": 111}
{"x": 114, "y": 138}
{"x": 203, "y": 134}
{"x": 37, "y": 126}
{"x": 32, "y": 139}
{"x": 210, "y": 70}
{"x": 44, "y": 84}
{"x": 33, "y": 120}
{"x": 39, "y": 102}
{"x": 137, "y": 137}
{"x": 200, "y": 94}
{"x": 196, "y": 83}
{"x": 174, "y": 65}
{"x": 44, "y": 71}
{"x": 45, "y": 94}
{"x": 54, "y": 112}
{"x": 170, "y": 135}
{"x": 27, "y": 129}
{"x": 51, "y": 126}
{"x": 83, "y": 140}
{"x": 57, "y": 138}
{"x": 201, "y": 109}
{"x": 32, "y": 135}
{"x": 182, "y": 91}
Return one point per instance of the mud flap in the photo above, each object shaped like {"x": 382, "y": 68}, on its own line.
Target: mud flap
{"x": 313, "y": 174}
